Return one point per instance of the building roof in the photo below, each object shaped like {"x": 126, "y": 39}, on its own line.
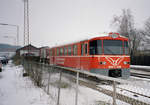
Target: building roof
{"x": 28, "y": 47}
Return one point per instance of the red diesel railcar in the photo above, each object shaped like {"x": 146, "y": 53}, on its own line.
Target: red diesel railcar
{"x": 107, "y": 55}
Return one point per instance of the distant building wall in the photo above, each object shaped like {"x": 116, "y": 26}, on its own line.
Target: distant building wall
{"x": 43, "y": 52}
{"x": 35, "y": 52}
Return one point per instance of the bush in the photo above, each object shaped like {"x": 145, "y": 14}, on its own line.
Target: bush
{"x": 16, "y": 59}
{"x": 62, "y": 85}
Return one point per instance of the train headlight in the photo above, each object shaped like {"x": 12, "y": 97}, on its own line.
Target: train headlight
{"x": 113, "y": 35}
{"x": 103, "y": 63}
{"x": 125, "y": 62}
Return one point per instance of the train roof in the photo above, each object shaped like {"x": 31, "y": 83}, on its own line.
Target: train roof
{"x": 110, "y": 36}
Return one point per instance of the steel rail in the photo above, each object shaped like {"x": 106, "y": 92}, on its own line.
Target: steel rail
{"x": 140, "y": 75}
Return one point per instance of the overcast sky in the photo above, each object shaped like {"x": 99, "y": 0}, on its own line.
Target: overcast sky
{"x": 60, "y": 21}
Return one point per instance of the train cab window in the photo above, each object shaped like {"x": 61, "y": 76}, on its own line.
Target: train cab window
{"x": 69, "y": 50}
{"x": 113, "y": 47}
{"x": 85, "y": 48}
{"x": 95, "y": 47}
{"x": 57, "y": 51}
{"x": 126, "y": 49}
{"x": 65, "y": 50}
{"x": 82, "y": 49}
{"x": 61, "y": 51}
{"x": 75, "y": 50}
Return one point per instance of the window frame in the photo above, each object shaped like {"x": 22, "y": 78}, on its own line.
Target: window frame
{"x": 57, "y": 51}
{"x": 65, "y": 51}
{"x": 95, "y": 48}
{"x": 61, "y": 51}
{"x": 82, "y": 49}
{"x": 75, "y": 49}
{"x": 85, "y": 48}
{"x": 126, "y": 47}
{"x": 69, "y": 50}
{"x": 51, "y": 52}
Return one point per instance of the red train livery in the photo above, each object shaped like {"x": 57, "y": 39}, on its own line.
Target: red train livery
{"x": 107, "y": 55}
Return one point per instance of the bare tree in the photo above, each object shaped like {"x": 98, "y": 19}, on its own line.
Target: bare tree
{"x": 125, "y": 26}
{"x": 147, "y": 26}
{"x": 146, "y": 31}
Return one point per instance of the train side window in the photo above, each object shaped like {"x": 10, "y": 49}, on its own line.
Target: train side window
{"x": 75, "y": 50}
{"x": 61, "y": 51}
{"x": 57, "y": 51}
{"x": 82, "y": 48}
{"x": 51, "y": 53}
{"x": 69, "y": 50}
{"x": 65, "y": 50}
{"x": 85, "y": 48}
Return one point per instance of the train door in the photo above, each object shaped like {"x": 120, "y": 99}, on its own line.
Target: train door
{"x": 87, "y": 59}
{"x": 84, "y": 59}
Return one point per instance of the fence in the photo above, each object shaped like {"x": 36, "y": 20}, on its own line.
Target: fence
{"x": 67, "y": 86}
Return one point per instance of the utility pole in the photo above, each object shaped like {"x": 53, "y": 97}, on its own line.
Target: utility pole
{"x": 26, "y": 29}
{"x": 26, "y": 22}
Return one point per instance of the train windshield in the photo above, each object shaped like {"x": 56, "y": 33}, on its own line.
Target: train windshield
{"x": 113, "y": 47}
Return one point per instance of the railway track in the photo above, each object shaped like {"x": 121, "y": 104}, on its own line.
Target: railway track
{"x": 94, "y": 85}
{"x": 119, "y": 96}
{"x": 141, "y": 75}
{"x": 141, "y": 68}
{"x": 134, "y": 92}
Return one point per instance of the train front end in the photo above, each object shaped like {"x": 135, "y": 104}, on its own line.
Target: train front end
{"x": 110, "y": 56}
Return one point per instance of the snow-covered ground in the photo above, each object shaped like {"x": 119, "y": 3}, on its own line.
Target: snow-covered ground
{"x": 137, "y": 85}
{"x": 18, "y": 90}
